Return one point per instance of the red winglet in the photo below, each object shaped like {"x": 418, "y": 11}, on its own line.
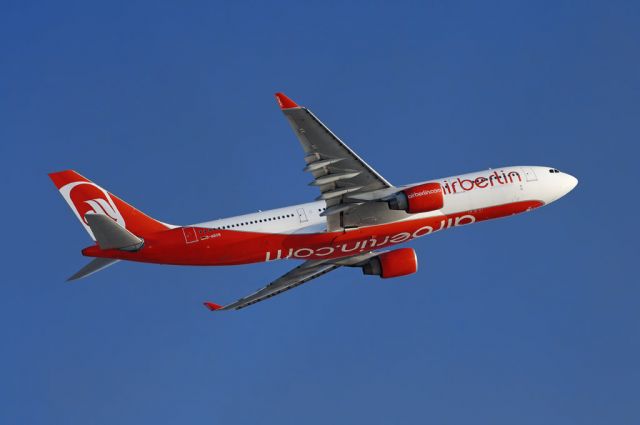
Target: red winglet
{"x": 62, "y": 178}
{"x": 285, "y": 102}
{"x": 212, "y": 306}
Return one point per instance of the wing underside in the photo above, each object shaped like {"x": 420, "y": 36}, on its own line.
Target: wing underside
{"x": 305, "y": 272}
{"x": 338, "y": 172}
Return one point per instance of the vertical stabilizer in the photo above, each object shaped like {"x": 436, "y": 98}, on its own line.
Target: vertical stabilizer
{"x": 84, "y": 196}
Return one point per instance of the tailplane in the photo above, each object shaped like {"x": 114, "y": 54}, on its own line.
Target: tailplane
{"x": 87, "y": 198}
{"x": 110, "y": 235}
{"x": 94, "y": 266}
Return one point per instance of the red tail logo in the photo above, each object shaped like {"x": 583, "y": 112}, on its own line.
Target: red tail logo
{"x": 86, "y": 197}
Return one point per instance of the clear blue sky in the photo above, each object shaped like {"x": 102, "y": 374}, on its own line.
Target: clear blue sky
{"x": 528, "y": 320}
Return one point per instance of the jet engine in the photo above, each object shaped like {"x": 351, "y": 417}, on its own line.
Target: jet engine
{"x": 400, "y": 262}
{"x": 418, "y": 199}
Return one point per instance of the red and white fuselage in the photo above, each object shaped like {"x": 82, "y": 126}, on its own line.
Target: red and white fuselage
{"x": 299, "y": 231}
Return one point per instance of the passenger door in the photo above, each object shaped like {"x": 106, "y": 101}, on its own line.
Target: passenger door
{"x": 302, "y": 215}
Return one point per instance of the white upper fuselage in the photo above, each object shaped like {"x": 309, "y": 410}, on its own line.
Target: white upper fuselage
{"x": 466, "y": 192}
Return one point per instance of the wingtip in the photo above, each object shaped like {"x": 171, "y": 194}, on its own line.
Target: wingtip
{"x": 284, "y": 102}
{"x": 61, "y": 178}
{"x": 212, "y": 306}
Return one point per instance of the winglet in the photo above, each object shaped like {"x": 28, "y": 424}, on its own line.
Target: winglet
{"x": 285, "y": 102}
{"x": 212, "y": 306}
{"x": 63, "y": 178}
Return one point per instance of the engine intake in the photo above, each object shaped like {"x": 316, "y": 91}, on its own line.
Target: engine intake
{"x": 400, "y": 262}
{"x": 422, "y": 198}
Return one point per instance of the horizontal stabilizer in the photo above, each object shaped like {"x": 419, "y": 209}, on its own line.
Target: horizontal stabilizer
{"x": 95, "y": 265}
{"x": 110, "y": 235}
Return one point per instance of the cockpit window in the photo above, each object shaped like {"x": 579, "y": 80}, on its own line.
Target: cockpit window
{"x": 553, "y": 170}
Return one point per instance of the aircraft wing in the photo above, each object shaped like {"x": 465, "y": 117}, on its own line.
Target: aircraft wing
{"x": 337, "y": 170}
{"x": 305, "y": 272}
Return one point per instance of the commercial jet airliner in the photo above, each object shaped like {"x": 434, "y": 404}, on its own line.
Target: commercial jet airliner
{"x": 357, "y": 221}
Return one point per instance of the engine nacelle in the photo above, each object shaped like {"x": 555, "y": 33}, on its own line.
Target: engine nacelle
{"x": 418, "y": 199}
{"x": 399, "y": 262}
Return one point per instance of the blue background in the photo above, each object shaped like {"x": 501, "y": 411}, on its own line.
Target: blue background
{"x": 530, "y": 320}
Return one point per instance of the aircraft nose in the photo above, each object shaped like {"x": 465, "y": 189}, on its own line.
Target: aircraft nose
{"x": 559, "y": 185}
{"x": 570, "y": 183}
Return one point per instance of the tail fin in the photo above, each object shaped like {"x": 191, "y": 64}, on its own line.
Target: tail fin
{"x": 84, "y": 196}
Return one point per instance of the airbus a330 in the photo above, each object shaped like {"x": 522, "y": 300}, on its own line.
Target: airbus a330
{"x": 358, "y": 220}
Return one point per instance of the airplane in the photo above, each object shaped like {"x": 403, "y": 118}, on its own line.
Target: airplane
{"x": 357, "y": 221}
